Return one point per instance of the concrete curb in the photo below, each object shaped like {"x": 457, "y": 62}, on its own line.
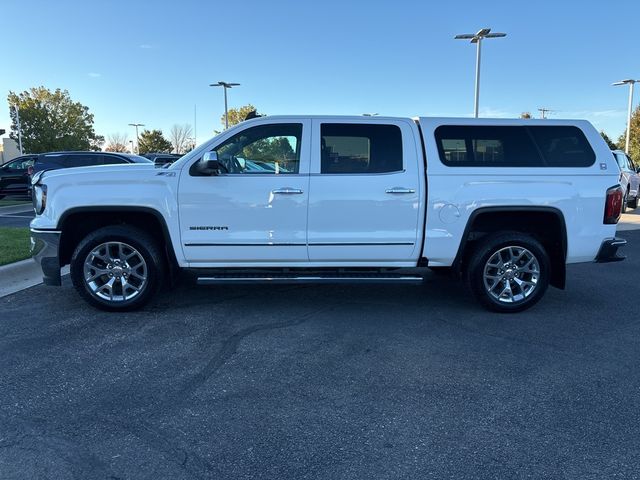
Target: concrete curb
{"x": 20, "y": 275}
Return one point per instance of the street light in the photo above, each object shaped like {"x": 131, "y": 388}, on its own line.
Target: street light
{"x": 137, "y": 137}
{"x": 631, "y": 83}
{"x": 19, "y": 128}
{"x": 225, "y": 85}
{"x": 477, "y": 38}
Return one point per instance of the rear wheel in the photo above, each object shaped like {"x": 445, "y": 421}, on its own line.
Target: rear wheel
{"x": 634, "y": 203}
{"x": 625, "y": 201}
{"x": 509, "y": 272}
{"x": 117, "y": 268}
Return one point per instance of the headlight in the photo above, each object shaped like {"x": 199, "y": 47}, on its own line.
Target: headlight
{"x": 36, "y": 177}
{"x": 39, "y": 198}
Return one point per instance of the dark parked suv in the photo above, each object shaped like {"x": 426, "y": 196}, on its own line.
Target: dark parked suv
{"x": 56, "y": 160}
{"x": 161, "y": 159}
{"x": 14, "y": 176}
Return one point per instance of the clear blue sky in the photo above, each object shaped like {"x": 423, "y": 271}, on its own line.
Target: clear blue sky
{"x": 151, "y": 62}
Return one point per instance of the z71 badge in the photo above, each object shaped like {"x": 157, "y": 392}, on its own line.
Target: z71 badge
{"x": 207, "y": 227}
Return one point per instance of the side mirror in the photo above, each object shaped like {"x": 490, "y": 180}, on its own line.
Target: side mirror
{"x": 210, "y": 165}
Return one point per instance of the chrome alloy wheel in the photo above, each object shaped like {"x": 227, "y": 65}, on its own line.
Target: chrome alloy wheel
{"x": 511, "y": 274}
{"x": 115, "y": 271}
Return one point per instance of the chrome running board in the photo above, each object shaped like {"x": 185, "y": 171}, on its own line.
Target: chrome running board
{"x": 308, "y": 279}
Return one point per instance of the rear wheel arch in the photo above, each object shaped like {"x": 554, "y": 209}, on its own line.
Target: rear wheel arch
{"x": 545, "y": 224}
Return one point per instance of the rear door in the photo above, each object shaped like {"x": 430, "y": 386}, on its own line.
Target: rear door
{"x": 365, "y": 192}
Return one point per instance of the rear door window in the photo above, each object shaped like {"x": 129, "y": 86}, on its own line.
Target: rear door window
{"x": 359, "y": 148}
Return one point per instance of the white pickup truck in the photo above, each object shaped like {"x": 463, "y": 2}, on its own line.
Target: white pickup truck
{"x": 502, "y": 204}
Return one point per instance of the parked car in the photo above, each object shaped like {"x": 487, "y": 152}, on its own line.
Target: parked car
{"x": 14, "y": 176}
{"x": 56, "y": 160}
{"x": 162, "y": 159}
{"x": 362, "y": 199}
{"x": 629, "y": 179}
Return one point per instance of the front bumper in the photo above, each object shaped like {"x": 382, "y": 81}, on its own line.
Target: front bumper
{"x": 45, "y": 250}
{"x": 609, "y": 250}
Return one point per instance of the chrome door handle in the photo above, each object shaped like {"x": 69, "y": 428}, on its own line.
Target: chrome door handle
{"x": 400, "y": 190}
{"x": 287, "y": 191}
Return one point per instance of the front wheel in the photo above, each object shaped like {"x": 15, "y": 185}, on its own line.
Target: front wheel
{"x": 509, "y": 272}
{"x": 117, "y": 268}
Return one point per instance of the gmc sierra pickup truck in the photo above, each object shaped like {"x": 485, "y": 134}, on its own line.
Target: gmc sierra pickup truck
{"x": 504, "y": 205}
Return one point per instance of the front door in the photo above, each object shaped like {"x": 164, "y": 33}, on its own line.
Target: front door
{"x": 366, "y": 192}
{"x": 256, "y": 210}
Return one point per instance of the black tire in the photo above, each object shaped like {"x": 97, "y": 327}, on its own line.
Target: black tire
{"x": 625, "y": 201}
{"x": 138, "y": 240}
{"x": 634, "y": 203}
{"x": 490, "y": 246}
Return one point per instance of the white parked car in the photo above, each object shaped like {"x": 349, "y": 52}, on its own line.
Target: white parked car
{"x": 502, "y": 204}
{"x": 629, "y": 179}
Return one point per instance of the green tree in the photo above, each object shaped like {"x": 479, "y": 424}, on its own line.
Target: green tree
{"x": 51, "y": 121}
{"x": 237, "y": 115}
{"x": 634, "y": 140}
{"x": 607, "y": 139}
{"x": 153, "y": 141}
{"x": 526, "y": 115}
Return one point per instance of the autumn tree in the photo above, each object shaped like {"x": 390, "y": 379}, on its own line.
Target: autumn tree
{"x": 237, "y": 115}
{"x": 180, "y": 138}
{"x": 153, "y": 141}
{"x": 634, "y": 140}
{"x": 51, "y": 121}
{"x": 117, "y": 142}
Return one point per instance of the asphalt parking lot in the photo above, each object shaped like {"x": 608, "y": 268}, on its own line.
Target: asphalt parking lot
{"x": 16, "y": 216}
{"x": 325, "y": 382}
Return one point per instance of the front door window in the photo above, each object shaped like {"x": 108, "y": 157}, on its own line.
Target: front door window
{"x": 266, "y": 149}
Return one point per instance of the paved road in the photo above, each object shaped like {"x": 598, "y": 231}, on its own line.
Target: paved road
{"x": 325, "y": 382}
{"x": 16, "y": 216}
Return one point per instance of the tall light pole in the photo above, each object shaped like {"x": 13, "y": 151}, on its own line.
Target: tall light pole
{"x": 225, "y": 85}
{"x": 477, "y": 39}
{"x": 137, "y": 137}
{"x": 19, "y": 128}
{"x": 631, "y": 83}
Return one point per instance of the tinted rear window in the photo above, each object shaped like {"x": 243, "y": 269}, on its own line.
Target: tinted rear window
{"x": 360, "y": 148}
{"x": 513, "y": 146}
